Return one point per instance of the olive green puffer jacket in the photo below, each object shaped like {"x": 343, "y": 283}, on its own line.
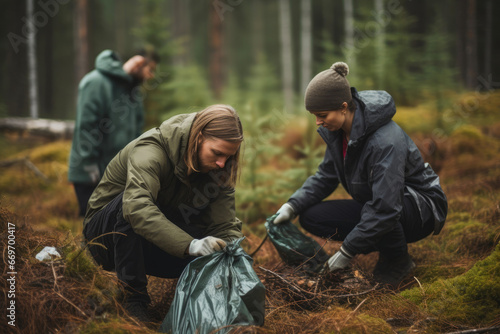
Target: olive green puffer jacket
{"x": 152, "y": 174}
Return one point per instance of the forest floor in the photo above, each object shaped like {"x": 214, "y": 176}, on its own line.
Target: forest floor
{"x": 455, "y": 287}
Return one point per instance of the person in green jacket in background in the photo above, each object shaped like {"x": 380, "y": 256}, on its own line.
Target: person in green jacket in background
{"x": 168, "y": 196}
{"x": 109, "y": 115}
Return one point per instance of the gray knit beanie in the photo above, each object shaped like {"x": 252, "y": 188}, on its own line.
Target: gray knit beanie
{"x": 329, "y": 89}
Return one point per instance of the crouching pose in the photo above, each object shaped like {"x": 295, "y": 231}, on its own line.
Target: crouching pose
{"x": 168, "y": 197}
{"x": 396, "y": 197}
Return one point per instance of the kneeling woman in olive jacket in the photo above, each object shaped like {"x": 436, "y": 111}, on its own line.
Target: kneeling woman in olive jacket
{"x": 168, "y": 196}
{"x": 396, "y": 197}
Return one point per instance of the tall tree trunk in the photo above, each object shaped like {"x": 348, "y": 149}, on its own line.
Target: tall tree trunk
{"x": 81, "y": 39}
{"x": 487, "y": 45}
{"x": 306, "y": 40}
{"x": 286, "y": 55}
{"x": 471, "y": 45}
{"x": 48, "y": 104}
{"x": 258, "y": 29}
{"x": 216, "y": 53}
{"x": 460, "y": 39}
{"x": 180, "y": 30}
{"x": 349, "y": 33}
{"x": 32, "y": 66}
{"x": 120, "y": 25}
{"x": 380, "y": 44}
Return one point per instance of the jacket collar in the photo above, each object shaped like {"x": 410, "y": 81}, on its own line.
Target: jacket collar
{"x": 174, "y": 133}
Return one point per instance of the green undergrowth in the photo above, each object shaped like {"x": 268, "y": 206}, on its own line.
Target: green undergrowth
{"x": 79, "y": 263}
{"x": 471, "y": 299}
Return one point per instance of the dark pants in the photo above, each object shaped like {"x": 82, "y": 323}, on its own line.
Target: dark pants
{"x": 83, "y": 192}
{"x": 337, "y": 218}
{"x": 127, "y": 253}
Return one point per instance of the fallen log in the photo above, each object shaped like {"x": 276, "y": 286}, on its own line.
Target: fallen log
{"x": 48, "y": 128}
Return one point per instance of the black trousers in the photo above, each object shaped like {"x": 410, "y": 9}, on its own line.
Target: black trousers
{"x": 337, "y": 218}
{"x": 127, "y": 253}
{"x": 83, "y": 192}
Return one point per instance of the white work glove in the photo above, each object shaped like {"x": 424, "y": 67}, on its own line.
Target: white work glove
{"x": 93, "y": 171}
{"x": 206, "y": 246}
{"x": 339, "y": 260}
{"x": 284, "y": 213}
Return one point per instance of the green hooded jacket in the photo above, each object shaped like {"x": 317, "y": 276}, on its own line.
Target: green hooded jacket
{"x": 109, "y": 115}
{"x": 152, "y": 174}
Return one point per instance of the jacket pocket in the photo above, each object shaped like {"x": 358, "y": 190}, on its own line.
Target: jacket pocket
{"x": 360, "y": 191}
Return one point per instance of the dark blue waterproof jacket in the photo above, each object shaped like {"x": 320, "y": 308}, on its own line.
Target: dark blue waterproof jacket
{"x": 381, "y": 166}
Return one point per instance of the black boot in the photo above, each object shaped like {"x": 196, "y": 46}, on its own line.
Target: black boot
{"x": 138, "y": 310}
{"x": 391, "y": 271}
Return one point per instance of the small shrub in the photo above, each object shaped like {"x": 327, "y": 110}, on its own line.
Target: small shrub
{"x": 79, "y": 264}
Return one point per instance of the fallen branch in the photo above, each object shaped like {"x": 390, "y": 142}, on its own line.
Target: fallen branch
{"x": 92, "y": 243}
{"x": 353, "y": 312}
{"x": 258, "y": 248}
{"x": 284, "y": 280}
{"x": 25, "y": 161}
{"x": 299, "y": 289}
{"x": 312, "y": 257}
{"x": 69, "y": 302}
{"x": 54, "y": 273}
{"x": 494, "y": 329}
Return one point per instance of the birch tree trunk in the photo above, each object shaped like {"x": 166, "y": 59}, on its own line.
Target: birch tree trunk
{"x": 306, "y": 39}
{"x": 286, "y": 55}
{"x": 32, "y": 66}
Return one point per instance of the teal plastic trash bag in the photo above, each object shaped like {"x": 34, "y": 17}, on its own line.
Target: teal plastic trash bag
{"x": 215, "y": 291}
{"x": 294, "y": 247}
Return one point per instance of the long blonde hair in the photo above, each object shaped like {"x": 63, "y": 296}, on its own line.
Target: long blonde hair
{"x": 218, "y": 121}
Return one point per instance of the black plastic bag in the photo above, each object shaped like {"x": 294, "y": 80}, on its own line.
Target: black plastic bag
{"x": 294, "y": 247}
{"x": 214, "y": 291}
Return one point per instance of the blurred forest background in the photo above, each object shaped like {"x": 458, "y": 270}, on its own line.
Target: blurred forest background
{"x": 243, "y": 52}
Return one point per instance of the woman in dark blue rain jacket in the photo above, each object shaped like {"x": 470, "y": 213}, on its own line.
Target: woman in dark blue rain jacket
{"x": 396, "y": 197}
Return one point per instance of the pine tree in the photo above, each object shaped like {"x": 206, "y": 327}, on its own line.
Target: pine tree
{"x": 152, "y": 32}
